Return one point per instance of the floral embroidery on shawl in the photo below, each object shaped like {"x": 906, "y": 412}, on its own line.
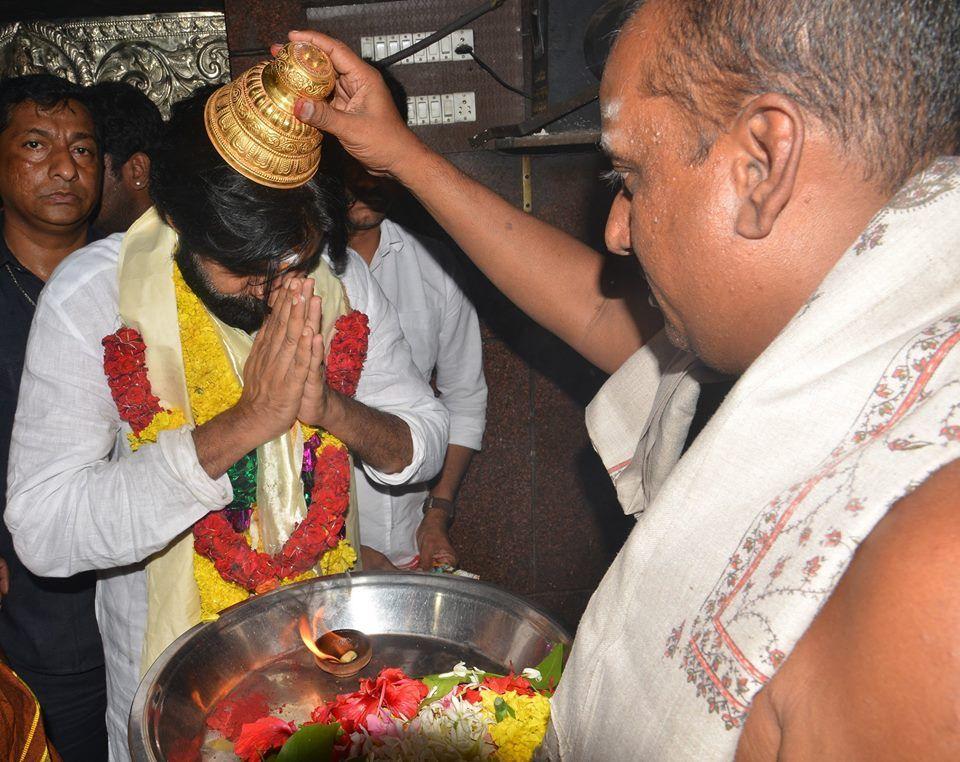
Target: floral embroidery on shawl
{"x": 793, "y": 548}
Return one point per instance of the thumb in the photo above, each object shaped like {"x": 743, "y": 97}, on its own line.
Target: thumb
{"x": 319, "y": 114}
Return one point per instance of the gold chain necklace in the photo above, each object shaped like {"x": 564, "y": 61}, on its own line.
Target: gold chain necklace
{"x": 17, "y": 284}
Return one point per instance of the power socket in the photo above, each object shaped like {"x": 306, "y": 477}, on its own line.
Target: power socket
{"x": 464, "y": 107}
{"x": 446, "y": 108}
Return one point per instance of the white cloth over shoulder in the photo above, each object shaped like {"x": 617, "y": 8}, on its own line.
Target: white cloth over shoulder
{"x": 79, "y": 499}
{"x": 418, "y": 277}
{"x": 640, "y": 420}
{"x": 854, "y": 404}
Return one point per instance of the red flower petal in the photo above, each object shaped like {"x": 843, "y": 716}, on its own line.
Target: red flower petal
{"x": 511, "y": 682}
{"x": 259, "y": 738}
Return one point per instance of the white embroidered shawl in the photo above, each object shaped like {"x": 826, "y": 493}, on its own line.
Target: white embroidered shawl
{"x": 854, "y": 404}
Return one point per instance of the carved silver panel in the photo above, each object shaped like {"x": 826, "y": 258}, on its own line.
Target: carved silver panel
{"x": 167, "y": 55}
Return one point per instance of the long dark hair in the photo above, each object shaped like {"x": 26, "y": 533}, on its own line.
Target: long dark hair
{"x": 225, "y": 217}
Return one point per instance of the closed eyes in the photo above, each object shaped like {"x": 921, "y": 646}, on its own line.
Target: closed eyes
{"x": 613, "y": 178}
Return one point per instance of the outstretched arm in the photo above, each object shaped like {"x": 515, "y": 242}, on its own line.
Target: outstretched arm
{"x": 550, "y": 275}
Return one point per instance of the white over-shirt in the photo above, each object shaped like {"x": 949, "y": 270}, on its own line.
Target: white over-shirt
{"x": 441, "y": 326}
{"x": 79, "y": 499}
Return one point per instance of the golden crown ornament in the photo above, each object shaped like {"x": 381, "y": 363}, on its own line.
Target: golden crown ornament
{"x": 251, "y": 122}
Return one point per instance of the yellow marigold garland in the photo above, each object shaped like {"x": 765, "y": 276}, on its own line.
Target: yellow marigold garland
{"x": 165, "y": 419}
{"x": 212, "y": 387}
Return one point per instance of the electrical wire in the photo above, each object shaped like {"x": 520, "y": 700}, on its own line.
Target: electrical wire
{"x": 464, "y": 49}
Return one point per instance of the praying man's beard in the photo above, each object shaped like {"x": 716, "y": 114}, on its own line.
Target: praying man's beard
{"x": 240, "y": 311}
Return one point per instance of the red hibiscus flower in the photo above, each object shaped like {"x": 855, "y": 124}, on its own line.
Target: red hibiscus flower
{"x": 401, "y": 694}
{"x": 257, "y": 739}
{"x": 392, "y": 690}
{"x": 352, "y": 709}
{"x": 321, "y": 715}
{"x": 511, "y": 682}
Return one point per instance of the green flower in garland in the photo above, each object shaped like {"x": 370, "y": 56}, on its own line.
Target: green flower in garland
{"x": 243, "y": 479}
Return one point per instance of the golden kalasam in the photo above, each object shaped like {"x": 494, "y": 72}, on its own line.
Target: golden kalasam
{"x": 251, "y": 123}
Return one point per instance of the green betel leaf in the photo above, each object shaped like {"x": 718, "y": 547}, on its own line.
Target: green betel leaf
{"x": 502, "y": 709}
{"x": 447, "y": 681}
{"x": 312, "y": 743}
{"x": 443, "y": 686}
{"x": 550, "y": 669}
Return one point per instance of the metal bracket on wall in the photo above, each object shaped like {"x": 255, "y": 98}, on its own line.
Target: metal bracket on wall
{"x": 539, "y": 121}
{"x": 526, "y": 170}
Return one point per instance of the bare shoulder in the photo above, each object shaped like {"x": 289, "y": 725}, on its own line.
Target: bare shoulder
{"x": 876, "y": 676}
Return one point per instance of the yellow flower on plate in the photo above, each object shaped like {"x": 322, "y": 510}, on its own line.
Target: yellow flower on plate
{"x": 517, "y": 736}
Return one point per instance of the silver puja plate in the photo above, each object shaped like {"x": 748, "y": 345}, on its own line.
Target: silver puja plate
{"x": 421, "y": 623}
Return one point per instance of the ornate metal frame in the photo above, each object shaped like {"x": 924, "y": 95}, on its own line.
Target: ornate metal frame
{"x": 167, "y": 55}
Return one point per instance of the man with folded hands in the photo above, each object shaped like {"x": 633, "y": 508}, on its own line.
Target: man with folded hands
{"x": 192, "y": 395}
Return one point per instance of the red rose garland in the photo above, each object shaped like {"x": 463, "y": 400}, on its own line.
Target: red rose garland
{"x": 214, "y": 536}
{"x": 126, "y": 369}
{"x": 348, "y": 350}
{"x": 216, "y": 539}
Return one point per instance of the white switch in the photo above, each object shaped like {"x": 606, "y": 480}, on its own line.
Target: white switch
{"x": 406, "y": 40}
{"x": 436, "y": 110}
{"x": 446, "y": 49}
{"x": 423, "y": 110}
{"x": 411, "y": 112}
{"x": 421, "y": 55}
{"x": 449, "y": 107}
{"x": 366, "y": 48}
{"x": 393, "y": 44}
{"x": 380, "y": 48}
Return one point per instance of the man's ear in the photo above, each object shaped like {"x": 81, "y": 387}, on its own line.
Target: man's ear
{"x": 768, "y": 134}
{"x": 136, "y": 171}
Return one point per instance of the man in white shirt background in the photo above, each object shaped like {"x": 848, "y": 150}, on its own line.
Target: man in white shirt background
{"x": 409, "y": 524}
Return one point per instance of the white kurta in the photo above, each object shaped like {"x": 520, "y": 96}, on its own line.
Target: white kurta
{"x": 78, "y": 499}
{"x": 441, "y": 326}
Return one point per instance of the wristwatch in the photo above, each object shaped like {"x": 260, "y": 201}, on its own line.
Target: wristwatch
{"x": 445, "y": 505}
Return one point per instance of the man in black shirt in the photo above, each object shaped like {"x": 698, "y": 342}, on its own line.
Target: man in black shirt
{"x": 50, "y": 174}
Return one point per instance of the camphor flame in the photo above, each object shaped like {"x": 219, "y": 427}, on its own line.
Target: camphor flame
{"x": 306, "y": 633}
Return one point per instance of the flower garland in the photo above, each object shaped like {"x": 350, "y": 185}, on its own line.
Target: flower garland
{"x": 227, "y": 569}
